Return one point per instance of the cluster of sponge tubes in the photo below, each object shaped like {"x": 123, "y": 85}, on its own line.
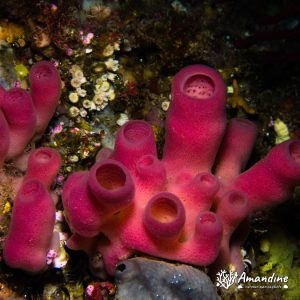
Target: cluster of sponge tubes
{"x": 175, "y": 208}
{"x": 31, "y": 232}
{"x": 26, "y": 114}
{"x": 23, "y": 116}
{"x": 130, "y": 201}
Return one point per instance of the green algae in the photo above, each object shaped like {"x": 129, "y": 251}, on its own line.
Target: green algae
{"x": 281, "y": 260}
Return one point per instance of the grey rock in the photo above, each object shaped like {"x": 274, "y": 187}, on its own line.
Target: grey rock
{"x": 146, "y": 279}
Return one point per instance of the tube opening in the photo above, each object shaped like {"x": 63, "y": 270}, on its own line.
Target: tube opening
{"x": 164, "y": 210}
{"x": 295, "y": 151}
{"x": 135, "y": 132}
{"x": 208, "y": 226}
{"x": 43, "y": 156}
{"x": 199, "y": 87}
{"x": 164, "y": 216}
{"x": 207, "y": 179}
{"x": 111, "y": 177}
{"x": 207, "y": 218}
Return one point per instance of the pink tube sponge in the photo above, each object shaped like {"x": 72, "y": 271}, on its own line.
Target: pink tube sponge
{"x": 272, "y": 180}
{"x": 233, "y": 208}
{"x": 27, "y": 114}
{"x": 136, "y": 139}
{"x": 90, "y": 198}
{"x": 164, "y": 216}
{"x": 236, "y": 148}
{"x": 208, "y": 237}
{"x": 198, "y": 103}
{"x": 45, "y": 91}
{"x": 199, "y": 192}
{"x": 80, "y": 207}
{"x": 32, "y": 223}
{"x": 151, "y": 173}
{"x": 43, "y": 164}
{"x": 20, "y": 114}
{"x": 167, "y": 210}
{"x": 30, "y": 232}
{"x": 111, "y": 184}
{"x": 5, "y": 139}
{"x": 2, "y": 91}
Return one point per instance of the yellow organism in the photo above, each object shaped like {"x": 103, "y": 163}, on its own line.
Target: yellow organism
{"x": 238, "y": 101}
{"x": 21, "y": 70}
{"x": 282, "y": 131}
{"x": 10, "y": 32}
{"x": 6, "y": 208}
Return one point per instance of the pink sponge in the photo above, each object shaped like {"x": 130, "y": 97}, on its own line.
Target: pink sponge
{"x": 20, "y": 114}
{"x": 45, "y": 91}
{"x": 33, "y": 217}
{"x": 196, "y": 115}
{"x": 130, "y": 201}
{"x": 90, "y": 198}
{"x": 274, "y": 177}
{"x": 30, "y": 232}
{"x": 2, "y": 91}
{"x": 27, "y": 114}
{"x": 236, "y": 148}
{"x": 43, "y": 164}
{"x": 5, "y": 138}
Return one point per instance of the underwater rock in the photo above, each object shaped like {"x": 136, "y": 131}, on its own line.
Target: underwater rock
{"x": 143, "y": 278}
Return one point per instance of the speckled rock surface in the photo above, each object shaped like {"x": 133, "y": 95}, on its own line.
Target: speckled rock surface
{"x": 146, "y": 279}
